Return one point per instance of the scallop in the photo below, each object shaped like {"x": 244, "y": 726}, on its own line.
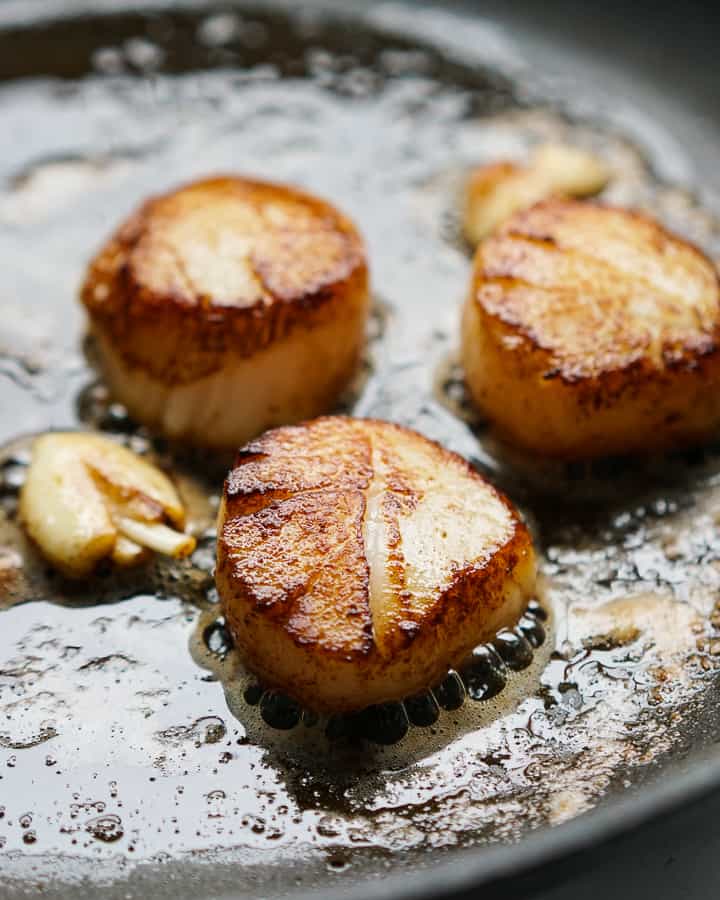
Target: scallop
{"x": 497, "y": 190}
{"x": 86, "y": 499}
{"x": 358, "y": 561}
{"x": 227, "y": 307}
{"x": 590, "y": 331}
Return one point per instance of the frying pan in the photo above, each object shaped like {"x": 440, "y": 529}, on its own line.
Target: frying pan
{"x": 647, "y": 74}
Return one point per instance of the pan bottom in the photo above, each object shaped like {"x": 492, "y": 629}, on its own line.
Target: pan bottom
{"x": 123, "y": 749}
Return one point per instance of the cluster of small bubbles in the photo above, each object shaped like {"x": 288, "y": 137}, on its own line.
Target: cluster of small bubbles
{"x": 105, "y": 828}
{"x": 256, "y": 824}
{"x": 482, "y": 677}
{"x": 206, "y": 730}
{"x": 137, "y": 54}
{"x": 87, "y": 806}
{"x": 213, "y": 729}
{"x": 344, "y": 74}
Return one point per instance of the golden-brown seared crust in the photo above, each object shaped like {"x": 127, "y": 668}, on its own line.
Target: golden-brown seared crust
{"x": 577, "y": 308}
{"x": 357, "y": 561}
{"x": 220, "y": 268}
{"x": 645, "y": 295}
{"x": 292, "y": 532}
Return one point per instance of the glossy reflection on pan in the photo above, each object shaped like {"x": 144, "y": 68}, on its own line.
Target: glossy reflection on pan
{"x": 117, "y": 751}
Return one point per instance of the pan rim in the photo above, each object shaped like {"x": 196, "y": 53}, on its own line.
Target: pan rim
{"x": 470, "y": 867}
{"x": 495, "y": 866}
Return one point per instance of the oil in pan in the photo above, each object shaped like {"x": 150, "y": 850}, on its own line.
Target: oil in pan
{"x": 128, "y": 733}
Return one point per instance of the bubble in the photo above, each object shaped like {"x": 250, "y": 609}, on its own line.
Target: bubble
{"x": 253, "y": 694}
{"x": 338, "y": 863}
{"x": 107, "y": 828}
{"x": 219, "y": 29}
{"x": 450, "y": 693}
{"x": 217, "y": 639}
{"x": 514, "y": 649}
{"x": 422, "y": 710}
{"x": 12, "y": 476}
{"x": 280, "y": 711}
{"x": 532, "y": 629}
{"x": 143, "y": 54}
{"x": 484, "y": 674}
{"x": 386, "y": 723}
{"x": 108, "y": 60}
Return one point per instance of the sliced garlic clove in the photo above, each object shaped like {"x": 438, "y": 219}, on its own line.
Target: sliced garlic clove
{"x": 63, "y": 510}
{"x": 87, "y": 498}
{"x": 157, "y": 537}
{"x": 496, "y": 191}
{"x": 129, "y": 479}
{"x": 570, "y": 171}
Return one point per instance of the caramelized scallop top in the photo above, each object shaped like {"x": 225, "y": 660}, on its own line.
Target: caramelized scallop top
{"x": 372, "y": 554}
{"x": 587, "y": 289}
{"x": 222, "y": 266}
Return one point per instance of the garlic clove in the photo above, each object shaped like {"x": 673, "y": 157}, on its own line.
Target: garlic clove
{"x": 86, "y": 498}
{"x": 157, "y": 536}
{"x": 496, "y": 191}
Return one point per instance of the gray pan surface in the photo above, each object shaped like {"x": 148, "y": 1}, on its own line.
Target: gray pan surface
{"x": 129, "y": 763}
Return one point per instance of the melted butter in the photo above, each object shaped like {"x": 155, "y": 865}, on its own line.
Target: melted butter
{"x": 122, "y": 737}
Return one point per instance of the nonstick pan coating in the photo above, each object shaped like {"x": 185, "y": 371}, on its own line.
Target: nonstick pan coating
{"x": 380, "y": 115}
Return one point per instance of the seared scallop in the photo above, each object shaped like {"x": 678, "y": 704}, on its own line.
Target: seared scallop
{"x": 358, "y": 560}
{"x": 591, "y": 330}
{"x": 229, "y": 306}
{"x": 86, "y": 499}
{"x": 497, "y": 190}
